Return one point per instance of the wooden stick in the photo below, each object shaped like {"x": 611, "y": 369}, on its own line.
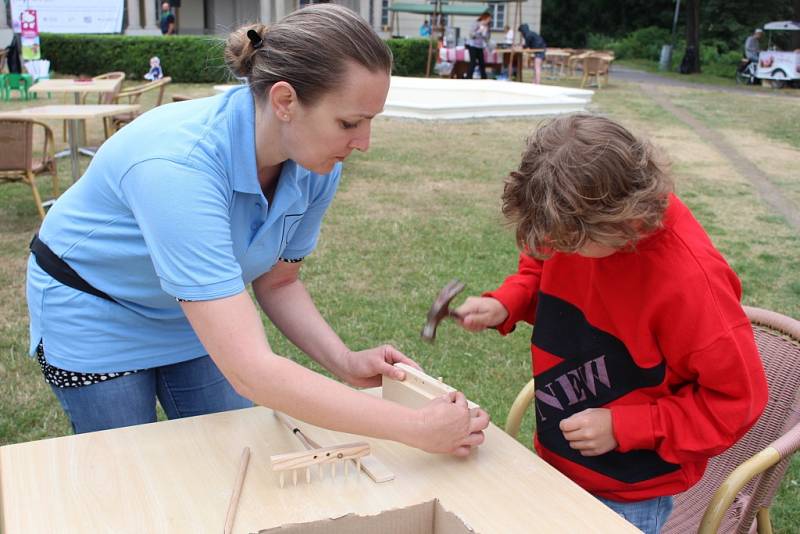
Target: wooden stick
{"x": 237, "y": 490}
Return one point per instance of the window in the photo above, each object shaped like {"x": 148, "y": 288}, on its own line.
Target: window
{"x": 384, "y": 12}
{"x": 498, "y": 12}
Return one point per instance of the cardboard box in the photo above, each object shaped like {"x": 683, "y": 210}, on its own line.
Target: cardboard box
{"x": 425, "y": 518}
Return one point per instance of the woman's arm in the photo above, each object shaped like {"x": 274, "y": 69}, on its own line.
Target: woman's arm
{"x": 285, "y": 300}
{"x": 231, "y": 331}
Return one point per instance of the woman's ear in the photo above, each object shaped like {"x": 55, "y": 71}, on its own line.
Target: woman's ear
{"x": 283, "y": 100}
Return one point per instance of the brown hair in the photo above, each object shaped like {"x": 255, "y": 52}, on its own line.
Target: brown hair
{"x": 585, "y": 178}
{"x": 308, "y": 49}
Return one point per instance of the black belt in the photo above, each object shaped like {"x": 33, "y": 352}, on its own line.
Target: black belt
{"x": 58, "y": 269}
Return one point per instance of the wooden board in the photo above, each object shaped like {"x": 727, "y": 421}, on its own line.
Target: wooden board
{"x": 417, "y": 389}
{"x": 177, "y": 476}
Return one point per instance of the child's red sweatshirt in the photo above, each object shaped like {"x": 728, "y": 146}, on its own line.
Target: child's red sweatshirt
{"x": 656, "y": 335}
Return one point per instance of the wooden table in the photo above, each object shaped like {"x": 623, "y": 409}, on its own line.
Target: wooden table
{"x": 73, "y": 114}
{"x": 518, "y": 56}
{"x": 78, "y": 88}
{"x": 177, "y": 476}
{"x": 557, "y": 58}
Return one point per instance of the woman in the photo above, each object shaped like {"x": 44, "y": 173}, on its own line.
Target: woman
{"x": 136, "y": 288}
{"x": 479, "y": 36}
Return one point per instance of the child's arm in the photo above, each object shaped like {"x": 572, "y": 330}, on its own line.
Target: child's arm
{"x": 708, "y": 343}
{"x": 703, "y": 418}
{"x": 515, "y": 300}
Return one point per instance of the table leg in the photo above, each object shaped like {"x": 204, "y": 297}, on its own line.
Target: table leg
{"x": 81, "y": 130}
{"x": 72, "y": 134}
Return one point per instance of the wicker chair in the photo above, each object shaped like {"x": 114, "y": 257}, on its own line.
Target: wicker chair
{"x": 102, "y": 98}
{"x": 132, "y": 96}
{"x": 739, "y": 485}
{"x": 596, "y": 65}
{"x": 16, "y": 156}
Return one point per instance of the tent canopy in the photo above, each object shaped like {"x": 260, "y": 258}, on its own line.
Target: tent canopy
{"x": 447, "y": 9}
{"x": 780, "y": 25}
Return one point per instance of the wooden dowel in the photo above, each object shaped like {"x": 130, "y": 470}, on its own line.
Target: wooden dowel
{"x": 237, "y": 490}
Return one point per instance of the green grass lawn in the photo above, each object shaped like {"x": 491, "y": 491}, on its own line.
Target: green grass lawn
{"x": 422, "y": 207}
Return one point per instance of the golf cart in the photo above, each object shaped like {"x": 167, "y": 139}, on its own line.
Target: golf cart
{"x": 779, "y": 68}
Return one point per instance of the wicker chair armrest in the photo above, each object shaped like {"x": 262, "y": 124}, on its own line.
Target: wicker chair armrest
{"x": 518, "y": 409}
{"x": 776, "y": 451}
{"x": 49, "y": 148}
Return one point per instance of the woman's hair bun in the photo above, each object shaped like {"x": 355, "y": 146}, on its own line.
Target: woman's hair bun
{"x": 239, "y": 50}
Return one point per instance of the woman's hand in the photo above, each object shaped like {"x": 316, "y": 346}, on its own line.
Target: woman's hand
{"x": 364, "y": 368}
{"x": 479, "y": 313}
{"x": 447, "y": 425}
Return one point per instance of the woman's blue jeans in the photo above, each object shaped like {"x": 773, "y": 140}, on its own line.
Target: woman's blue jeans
{"x": 194, "y": 387}
{"x": 648, "y": 516}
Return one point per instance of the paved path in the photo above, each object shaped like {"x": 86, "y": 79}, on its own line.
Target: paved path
{"x": 638, "y": 76}
{"x": 771, "y": 194}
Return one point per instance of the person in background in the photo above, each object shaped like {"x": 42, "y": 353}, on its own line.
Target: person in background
{"x": 167, "y": 20}
{"x": 137, "y": 287}
{"x": 425, "y": 29}
{"x": 751, "y": 45}
{"x": 534, "y": 40}
{"x": 479, "y": 36}
{"x": 509, "y": 39}
{"x": 155, "y": 72}
{"x": 644, "y": 361}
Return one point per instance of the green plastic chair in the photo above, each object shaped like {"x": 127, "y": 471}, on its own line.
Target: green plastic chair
{"x": 16, "y": 82}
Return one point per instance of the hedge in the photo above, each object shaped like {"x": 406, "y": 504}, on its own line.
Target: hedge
{"x": 186, "y": 58}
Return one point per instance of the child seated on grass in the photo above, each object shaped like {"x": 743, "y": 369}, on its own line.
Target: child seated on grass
{"x": 645, "y": 364}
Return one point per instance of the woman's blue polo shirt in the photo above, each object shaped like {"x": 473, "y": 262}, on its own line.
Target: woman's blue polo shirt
{"x": 170, "y": 207}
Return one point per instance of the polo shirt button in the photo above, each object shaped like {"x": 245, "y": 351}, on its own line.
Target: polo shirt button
{"x": 258, "y": 205}
{"x": 254, "y": 226}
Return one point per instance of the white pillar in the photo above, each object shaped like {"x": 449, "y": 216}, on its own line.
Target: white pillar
{"x": 265, "y": 11}
{"x": 3, "y": 17}
{"x": 280, "y": 10}
{"x": 150, "y": 15}
{"x": 133, "y": 15}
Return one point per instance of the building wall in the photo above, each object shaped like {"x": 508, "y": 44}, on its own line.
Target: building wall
{"x": 220, "y": 16}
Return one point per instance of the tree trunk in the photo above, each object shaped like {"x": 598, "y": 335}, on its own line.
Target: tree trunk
{"x": 693, "y": 36}
{"x": 796, "y": 35}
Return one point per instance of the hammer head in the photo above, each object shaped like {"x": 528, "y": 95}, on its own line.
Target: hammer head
{"x": 441, "y": 309}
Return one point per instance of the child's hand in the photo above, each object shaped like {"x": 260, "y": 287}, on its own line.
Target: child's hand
{"x": 590, "y": 431}
{"x": 478, "y": 313}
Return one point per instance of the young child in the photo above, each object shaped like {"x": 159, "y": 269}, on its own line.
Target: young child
{"x": 645, "y": 364}
{"x": 155, "y": 72}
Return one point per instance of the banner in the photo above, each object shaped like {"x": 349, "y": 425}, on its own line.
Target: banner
{"x": 71, "y": 16}
{"x": 29, "y": 33}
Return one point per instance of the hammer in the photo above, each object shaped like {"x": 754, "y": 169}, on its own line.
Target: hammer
{"x": 441, "y": 309}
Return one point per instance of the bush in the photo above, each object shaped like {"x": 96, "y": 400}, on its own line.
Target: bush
{"x": 410, "y": 56}
{"x": 186, "y": 58}
{"x": 641, "y": 44}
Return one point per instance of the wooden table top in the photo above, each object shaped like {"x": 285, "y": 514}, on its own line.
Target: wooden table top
{"x": 178, "y": 476}
{"x": 69, "y": 111}
{"x": 66, "y": 85}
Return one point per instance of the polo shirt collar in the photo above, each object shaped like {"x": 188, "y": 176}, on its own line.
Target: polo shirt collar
{"x": 240, "y": 109}
{"x": 241, "y": 122}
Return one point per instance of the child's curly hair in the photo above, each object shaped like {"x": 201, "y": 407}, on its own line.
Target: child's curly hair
{"x": 585, "y": 178}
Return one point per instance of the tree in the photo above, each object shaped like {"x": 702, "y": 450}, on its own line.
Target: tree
{"x": 691, "y": 61}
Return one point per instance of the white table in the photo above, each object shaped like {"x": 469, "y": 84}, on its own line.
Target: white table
{"x": 73, "y": 114}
